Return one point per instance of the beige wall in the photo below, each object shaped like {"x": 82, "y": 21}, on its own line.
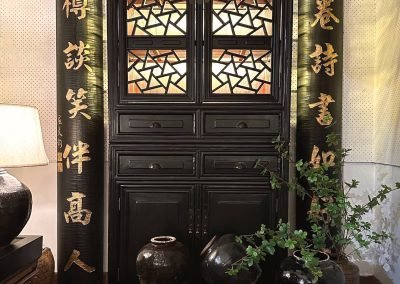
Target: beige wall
{"x": 371, "y": 120}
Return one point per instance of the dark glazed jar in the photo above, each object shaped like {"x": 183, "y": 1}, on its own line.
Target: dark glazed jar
{"x": 293, "y": 272}
{"x": 15, "y": 207}
{"x": 350, "y": 270}
{"x": 163, "y": 261}
{"x": 219, "y": 255}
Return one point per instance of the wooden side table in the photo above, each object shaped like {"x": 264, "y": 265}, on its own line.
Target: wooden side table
{"x": 18, "y": 260}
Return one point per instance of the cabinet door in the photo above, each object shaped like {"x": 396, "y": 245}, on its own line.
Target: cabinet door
{"x": 239, "y": 42}
{"x": 239, "y": 210}
{"x": 236, "y": 209}
{"x": 157, "y": 57}
{"x": 148, "y": 211}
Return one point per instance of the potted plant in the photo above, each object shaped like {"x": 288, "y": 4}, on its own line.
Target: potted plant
{"x": 336, "y": 223}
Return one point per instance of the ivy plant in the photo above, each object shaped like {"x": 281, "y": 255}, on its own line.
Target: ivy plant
{"x": 336, "y": 223}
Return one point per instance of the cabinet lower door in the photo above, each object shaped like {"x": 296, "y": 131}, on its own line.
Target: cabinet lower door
{"x": 148, "y": 211}
{"x": 239, "y": 210}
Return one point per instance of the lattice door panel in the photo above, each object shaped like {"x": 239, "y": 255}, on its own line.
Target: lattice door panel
{"x": 156, "y": 18}
{"x": 159, "y": 40}
{"x": 238, "y": 49}
{"x": 243, "y": 72}
{"x": 159, "y": 72}
{"x": 242, "y": 17}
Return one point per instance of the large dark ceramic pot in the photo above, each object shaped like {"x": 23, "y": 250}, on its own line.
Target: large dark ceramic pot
{"x": 15, "y": 207}
{"x": 163, "y": 261}
{"x": 218, "y": 256}
{"x": 293, "y": 272}
{"x": 350, "y": 270}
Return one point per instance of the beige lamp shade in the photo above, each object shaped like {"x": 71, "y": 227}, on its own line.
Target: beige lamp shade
{"x": 21, "y": 141}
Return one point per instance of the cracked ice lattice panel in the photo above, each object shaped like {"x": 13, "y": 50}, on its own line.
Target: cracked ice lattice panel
{"x": 241, "y": 72}
{"x": 242, "y": 17}
{"x": 157, "y": 72}
{"x": 156, "y": 18}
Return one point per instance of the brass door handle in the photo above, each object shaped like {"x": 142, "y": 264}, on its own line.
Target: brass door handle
{"x": 240, "y": 166}
{"x": 155, "y": 125}
{"x": 154, "y": 166}
{"x": 242, "y": 124}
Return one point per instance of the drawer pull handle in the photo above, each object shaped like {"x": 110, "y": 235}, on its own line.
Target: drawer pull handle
{"x": 242, "y": 125}
{"x": 155, "y": 125}
{"x": 155, "y": 166}
{"x": 240, "y": 166}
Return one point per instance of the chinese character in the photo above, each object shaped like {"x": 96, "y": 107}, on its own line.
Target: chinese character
{"x": 325, "y": 14}
{"x": 77, "y": 7}
{"x": 80, "y": 58}
{"x": 78, "y": 155}
{"x": 329, "y": 59}
{"x": 328, "y": 158}
{"x": 74, "y": 258}
{"x": 77, "y": 102}
{"x": 325, "y": 117}
{"x": 76, "y": 214}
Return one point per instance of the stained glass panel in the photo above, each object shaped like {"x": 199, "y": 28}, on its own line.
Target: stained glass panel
{"x": 242, "y": 17}
{"x": 156, "y": 17}
{"x": 161, "y": 72}
{"x": 241, "y": 72}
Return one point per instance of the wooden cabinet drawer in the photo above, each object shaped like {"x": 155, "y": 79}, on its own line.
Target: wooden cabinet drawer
{"x": 156, "y": 164}
{"x": 236, "y": 164}
{"x": 158, "y": 124}
{"x": 241, "y": 124}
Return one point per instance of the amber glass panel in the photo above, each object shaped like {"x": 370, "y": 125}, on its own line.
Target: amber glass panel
{"x": 161, "y": 72}
{"x": 241, "y": 72}
{"x": 242, "y": 17}
{"x": 156, "y": 17}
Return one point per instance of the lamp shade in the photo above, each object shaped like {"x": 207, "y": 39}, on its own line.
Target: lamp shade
{"x": 21, "y": 141}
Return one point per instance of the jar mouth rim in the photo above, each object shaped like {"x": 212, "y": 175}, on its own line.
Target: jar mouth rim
{"x": 322, "y": 256}
{"x": 160, "y": 240}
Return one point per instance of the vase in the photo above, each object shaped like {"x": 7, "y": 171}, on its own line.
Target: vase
{"x": 293, "y": 271}
{"x": 219, "y": 255}
{"x": 15, "y": 207}
{"x": 350, "y": 270}
{"x": 163, "y": 261}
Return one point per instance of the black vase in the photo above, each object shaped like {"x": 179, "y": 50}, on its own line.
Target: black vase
{"x": 293, "y": 272}
{"x": 163, "y": 261}
{"x": 219, "y": 255}
{"x": 15, "y": 207}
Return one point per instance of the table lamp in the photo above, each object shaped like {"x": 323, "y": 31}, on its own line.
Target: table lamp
{"x": 21, "y": 145}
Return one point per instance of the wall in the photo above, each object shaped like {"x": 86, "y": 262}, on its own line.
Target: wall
{"x": 372, "y": 120}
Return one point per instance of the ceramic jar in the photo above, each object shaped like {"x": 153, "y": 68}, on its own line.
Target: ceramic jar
{"x": 293, "y": 272}
{"x": 163, "y": 261}
{"x": 350, "y": 270}
{"x": 219, "y": 255}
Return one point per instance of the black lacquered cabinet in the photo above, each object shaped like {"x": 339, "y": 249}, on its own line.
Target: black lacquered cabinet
{"x": 197, "y": 92}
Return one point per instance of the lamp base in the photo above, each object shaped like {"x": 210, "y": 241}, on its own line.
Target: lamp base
{"x": 15, "y": 207}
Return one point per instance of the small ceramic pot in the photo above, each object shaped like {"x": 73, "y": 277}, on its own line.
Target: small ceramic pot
{"x": 293, "y": 271}
{"x": 219, "y": 255}
{"x": 163, "y": 261}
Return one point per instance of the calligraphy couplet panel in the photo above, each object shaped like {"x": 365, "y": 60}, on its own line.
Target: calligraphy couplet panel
{"x": 320, "y": 68}
{"x": 80, "y": 148}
